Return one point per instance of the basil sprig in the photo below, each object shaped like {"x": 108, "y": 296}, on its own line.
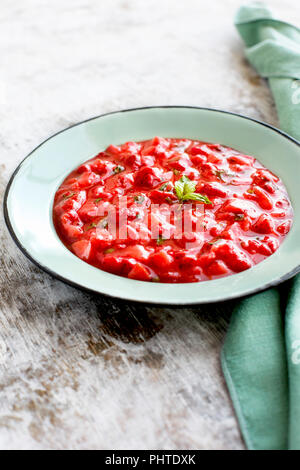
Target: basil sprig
{"x": 185, "y": 191}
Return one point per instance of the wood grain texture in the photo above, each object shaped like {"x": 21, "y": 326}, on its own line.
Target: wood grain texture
{"x": 79, "y": 371}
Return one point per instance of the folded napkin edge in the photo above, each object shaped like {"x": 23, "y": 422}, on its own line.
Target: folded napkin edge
{"x": 268, "y": 20}
{"x": 237, "y": 405}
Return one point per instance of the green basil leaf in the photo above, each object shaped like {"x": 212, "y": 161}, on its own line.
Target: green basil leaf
{"x": 179, "y": 189}
{"x": 196, "y": 197}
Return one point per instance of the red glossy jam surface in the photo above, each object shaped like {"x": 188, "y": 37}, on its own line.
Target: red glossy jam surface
{"x": 236, "y": 212}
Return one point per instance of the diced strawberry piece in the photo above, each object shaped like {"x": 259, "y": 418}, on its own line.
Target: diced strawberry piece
{"x": 231, "y": 232}
{"x": 71, "y": 225}
{"x": 264, "y": 224}
{"x": 278, "y": 214}
{"x": 190, "y": 239}
{"x": 149, "y": 150}
{"x": 191, "y": 173}
{"x": 157, "y": 140}
{"x": 160, "y": 144}
{"x": 186, "y": 259}
{"x": 132, "y": 233}
{"x": 70, "y": 201}
{"x": 97, "y": 191}
{"x": 256, "y": 246}
{"x": 208, "y": 170}
{"x": 82, "y": 249}
{"x": 126, "y": 180}
{"x": 269, "y": 187}
{"x": 137, "y": 252}
{"x": 69, "y": 181}
{"x": 131, "y": 147}
{"x": 239, "y": 206}
{"x": 134, "y": 161}
{"x": 101, "y": 239}
{"x": 161, "y": 259}
{"x": 102, "y": 166}
{"x": 245, "y": 223}
{"x": 140, "y": 273}
{"x": 213, "y": 189}
{"x": 264, "y": 249}
{"x": 250, "y": 245}
{"x": 240, "y": 181}
{"x": 214, "y": 147}
{"x": 117, "y": 264}
{"x": 127, "y": 265}
{"x": 198, "y": 160}
{"x": 240, "y": 160}
{"x": 170, "y": 276}
{"x": 72, "y": 232}
{"x": 114, "y": 149}
{"x": 284, "y": 228}
{"x": 194, "y": 271}
{"x": 217, "y": 268}
{"x": 159, "y": 197}
{"x": 83, "y": 168}
{"x": 196, "y": 150}
{"x": 213, "y": 158}
{"x": 206, "y": 259}
{"x": 148, "y": 177}
{"x": 263, "y": 198}
{"x": 88, "y": 179}
{"x": 148, "y": 160}
{"x": 262, "y": 176}
{"x": 157, "y": 147}
{"x": 179, "y": 163}
{"x": 89, "y": 211}
{"x": 112, "y": 264}
{"x": 282, "y": 203}
{"x": 272, "y": 243}
{"x": 235, "y": 258}
{"x": 249, "y": 194}
{"x": 216, "y": 230}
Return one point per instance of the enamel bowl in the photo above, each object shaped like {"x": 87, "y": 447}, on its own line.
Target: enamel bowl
{"x": 30, "y": 192}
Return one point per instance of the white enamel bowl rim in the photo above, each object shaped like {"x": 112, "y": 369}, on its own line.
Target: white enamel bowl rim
{"x": 126, "y": 289}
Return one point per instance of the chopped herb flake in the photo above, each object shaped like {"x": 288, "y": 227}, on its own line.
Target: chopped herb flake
{"x": 92, "y": 225}
{"x": 221, "y": 173}
{"x": 139, "y": 198}
{"x": 215, "y": 240}
{"x": 118, "y": 169}
{"x": 164, "y": 186}
{"x": 239, "y": 217}
{"x": 109, "y": 250}
{"x": 104, "y": 223}
{"x": 67, "y": 196}
{"x": 169, "y": 200}
{"x": 160, "y": 241}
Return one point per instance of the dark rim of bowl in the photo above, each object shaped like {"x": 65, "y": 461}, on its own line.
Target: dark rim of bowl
{"x": 276, "y": 282}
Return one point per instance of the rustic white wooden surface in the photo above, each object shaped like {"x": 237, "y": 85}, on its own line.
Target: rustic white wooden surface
{"x": 78, "y": 371}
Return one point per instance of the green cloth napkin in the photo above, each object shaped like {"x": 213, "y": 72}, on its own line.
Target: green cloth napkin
{"x": 261, "y": 353}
